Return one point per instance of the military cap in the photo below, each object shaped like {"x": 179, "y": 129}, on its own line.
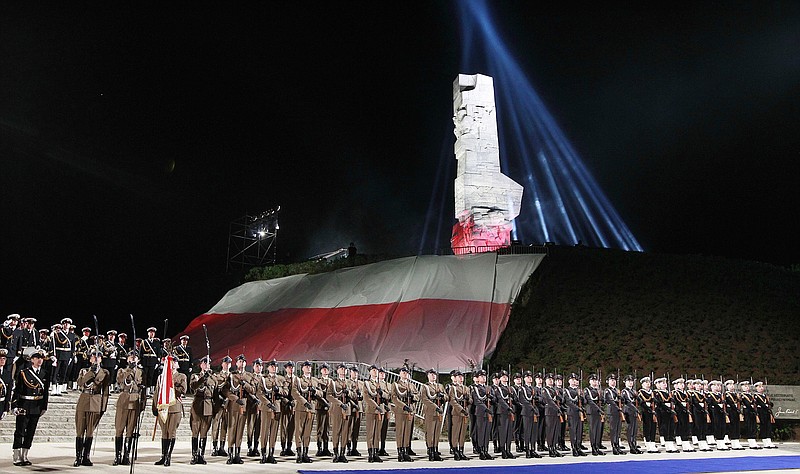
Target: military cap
{"x": 151, "y": 328}
{"x": 3, "y": 352}
{"x": 630, "y": 378}
{"x": 138, "y": 339}
{"x": 431, "y": 371}
{"x": 37, "y": 353}
{"x": 593, "y": 377}
{"x": 373, "y": 367}
{"x": 288, "y": 364}
{"x": 273, "y": 363}
{"x": 559, "y": 377}
{"x": 660, "y": 379}
{"x": 517, "y": 375}
{"x": 404, "y": 369}
{"x": 14, "y": 316}
{"x": 30, "y": 320}
{"x": 54, "y": 326}
{"x": 644, "y": 379}
{"x": 325, "y": 366}
{"x": 227, "y": 359}
{"x": 729, "y": 382}
{"x": 480, "y": 373}
{"x": 381, "y": 370}
{"x": 744, "y": 382}
{"x": 95, "y": 352}
{"x": 44, "y": 330}
{"x": 205, "y": 359}
{"x": 66, "y": 320}
{"x": 573, "y": 376}
{"x": 528, "y": 373}
{"x": 133, "y": 353}
{"x": 111, "y": 332}
{"x": 241, "y": 357}
{"x": 758, "y": 384}
{"x": 453, "y": 373}
{"x": 86, "y": 329}
{"x": 121, "y": 335}
{"x": 72, "y": 326}
{"x": 503, "y": 373}
{"x": 354, "y": 369}
{"x": 704, "y": 381}
{"x": 306, "y": 363}
{"x": 258, "y": 361}
{"x": 538, "y": 375}
{"x": 678, "y": 380}
{"x": 549, "y": 376}
{"x": 611, "y": 377}
{"x": 715, "y": 382}
{"x": 496, "y": 375}
{"x": 341, "y": 366}
{"x": 458, "y": 373}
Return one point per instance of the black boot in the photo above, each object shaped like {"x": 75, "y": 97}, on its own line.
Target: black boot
{"x": 221, "y": 451}
{"x": 237, "y": 455}
{"x": 230, "y": 456}
{"x": 342, "y": 457}
{"x": 271, "y": 457}
{"x": 497, "y": 449}
{"x": 194, "y": 451}
{"x": 168, "y": 459}
{"x": 201, "y": 451}
{"x": 335, "y": 454}
{"x": 126, "y": 460}
{"x": 263, "y": 456}
{"x": 382, "y": 451}
{"x": 319, "y": 448}
{"x": 325, "y": 450}
{"x": 306, "y": 459}
{"x": 400, "y": 457}
{"x": 117, "y": 450}
{"x": 557, "y": 453}
{"x": 600, "y": 451}
{"x": 370, "y": 456}
{"x": 354, "y": 450}
{"x": 78, "y": 452}
{"x": 463, "y": 456}
{"x": 289, "y": 451}
{"x": 436, "y": 455}
{"x": 164, "y": 448}
{"x": 299, "y": 459}
{"x": 87, "y": 447}
{"x": 377, "y": 455}
{"x": 283, "y": 449}
{"x": 410, "y": 451}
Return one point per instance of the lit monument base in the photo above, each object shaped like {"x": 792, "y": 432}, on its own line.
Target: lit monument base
{"x": 469, "y": 237}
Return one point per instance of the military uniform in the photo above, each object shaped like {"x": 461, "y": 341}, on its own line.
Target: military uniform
{"x": 110, "y": 356}
{"x": 385, "y": 421}
{"x": 516, "y": 388}
{"x": 539, "y": 405}
{"x": 93, "y": 383}
{"x": 304, "y": 392}
{"x": 64, "y": 345}
{"x": 237, "y": 389}
{"x": 183, "y": 352}
{"x": 433, "y": 399}
{"x": 630, "y": 408}
{"x": 30, "y": 402}
{"x": 700, "y": 416}
{"x": 219, "y": 426}
{"x": 287, "y": 411}
{"x": 732, "y": 408}
{"x": 647, "y": 405}
{"x": 252, "y": 412}
{"x": 613, "y": 404}
{"x": 716, "y": 409}
{"x": 323, "y": 415}
{"x": 204, "y": 385}
{"x": 374, "y": 412}
{"x": 750, "y": 413}
{"x": 129, "y": 406}
{"x": 765, "y": 416}
{"x": 459, "y": 415}
{"x": 683, "y": 413}
{"x": 356, "y": 387}
{"x": 665, "y": 415}
{"x": 169, "y": 424}
{"x": 150, "y": 353}
{"x": 594, "y": 411}
{"x": 6, "y": 385}
{"x": 527, "y": 398}
{"x": 271, "y": 390}
{"x": 575, "y": 413}
{"x": 553, "y": 415}
{"x": 404, "y": 396}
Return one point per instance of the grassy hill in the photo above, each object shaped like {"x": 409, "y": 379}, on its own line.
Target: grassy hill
{"x": 683, "y": 314}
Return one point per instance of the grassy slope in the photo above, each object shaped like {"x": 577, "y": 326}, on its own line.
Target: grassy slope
{"x": 589, "y": 308}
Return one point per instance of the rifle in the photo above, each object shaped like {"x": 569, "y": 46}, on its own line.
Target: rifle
{"x": 208, "y": 345}
{"x": 580, "y": 396}
{"x": 599, "y": 398}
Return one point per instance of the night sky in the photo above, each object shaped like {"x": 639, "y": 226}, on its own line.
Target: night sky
{"x": 131, "y": 136}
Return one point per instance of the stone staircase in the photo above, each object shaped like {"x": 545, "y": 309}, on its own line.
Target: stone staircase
{"x": 58, "y": 424}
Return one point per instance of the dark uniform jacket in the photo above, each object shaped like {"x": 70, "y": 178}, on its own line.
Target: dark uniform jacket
{"x": 31, "y": 391}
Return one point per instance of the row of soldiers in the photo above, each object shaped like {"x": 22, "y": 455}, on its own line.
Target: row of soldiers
{"x": 258, "y": 401}
{"x": 68, "y": 353}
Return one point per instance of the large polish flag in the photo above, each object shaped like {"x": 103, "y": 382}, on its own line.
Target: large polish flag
{"x": 436, "y": 311}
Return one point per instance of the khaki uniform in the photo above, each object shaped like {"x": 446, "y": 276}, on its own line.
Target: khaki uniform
{"x": 287, "y": 414}
{"x": 356, "y": 387}
{"x": 433, "y": 400}
{"x": 339, "y": 399}
{"x": 204, "y": 386}
{"x": 374, "y": 411}
{"x": 169, "y": 428}
{"x": 459, "y": 413}
{"x": 404, "y": 396}
{"x": 93, "y": 400}
{"x": 220, "y": 407}
{"x": 270, "y": 391}
{"x": 305, "y": 389}
{"x": 323, "y": 417}
{"x": 129, "y": 402}
{"x": 236, "y": 392}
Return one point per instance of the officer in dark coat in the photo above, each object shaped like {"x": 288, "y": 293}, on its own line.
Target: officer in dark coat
{"x": 183, "y": 352}
{"x": 29, "y": 403}
{"x": 647, "y": 405}
{"x": 594, "y": 411}
{"x": 64, "y": 344}
{"x": 6, "y": 385}
{"x": 527, "y": 399}
{"x": 613, "y": 405}
{"x": 151, "y": 353}
{"x": 552, "y": 412}
{"x": 630, "y": 408}
{"x": 482, "y": 400}
{"x": 575, "y": 414}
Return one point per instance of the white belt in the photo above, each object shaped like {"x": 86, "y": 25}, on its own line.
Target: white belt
{"x": 668, "y": 405}
{"x": 31, "y": 397}
{"x": 702, "y": 404}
